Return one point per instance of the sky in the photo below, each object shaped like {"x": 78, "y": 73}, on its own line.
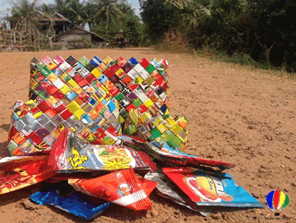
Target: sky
{"x": 4, "y": 5}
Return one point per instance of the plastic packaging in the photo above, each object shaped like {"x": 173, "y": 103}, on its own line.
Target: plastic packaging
{"x": 168, "y": 189}
{"x": 70, "y": 154}
{"x": 17, "y": 173}
{"x": 170, "y": 156}
{"x": 206, "y": 189}
{"x": 121, "y": 187}
{"x": 74, "y": 203}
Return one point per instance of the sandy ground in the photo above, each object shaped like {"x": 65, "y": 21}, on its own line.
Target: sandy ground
{"x": 236, "y": 115}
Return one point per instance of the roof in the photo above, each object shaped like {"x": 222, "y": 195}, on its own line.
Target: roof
{"x": 95, "y": 34}
{"x": 55, "y": 16}
{"x": 58, "y": 17}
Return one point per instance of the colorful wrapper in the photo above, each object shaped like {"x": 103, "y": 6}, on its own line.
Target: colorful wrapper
{"x": 168, "y": 155}
{"x": 35, "y": 126}
{"x": 70, "y": 154}
{"x": 160, "y": 127}
{"x": 19, "y": 173}
{"x": 167, "y": 189}
{"x": 207, "y": 189}
{"x": 76, "y": 203}
{"x": 121, "y": 187}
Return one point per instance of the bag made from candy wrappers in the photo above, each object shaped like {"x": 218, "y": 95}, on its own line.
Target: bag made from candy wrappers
{"x": 121, "y": 187}
{"x": 72, "y": 80}
{"x": 21, "y": 172}
{"x": 35, "y": 126}
{"x": 74, "y": 203}
{"x": 140, "y": 86}
{"x": 70, "y": 154}
{"x": 168, "y": 155}
{"x": 207, "y": 189}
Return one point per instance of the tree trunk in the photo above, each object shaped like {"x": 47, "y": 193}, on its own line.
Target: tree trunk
{"x": 107, "y": 24}
{"x": 107, "y": 13}
{"x": 50, "y": 43}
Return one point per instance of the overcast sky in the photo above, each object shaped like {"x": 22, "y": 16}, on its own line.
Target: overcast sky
{"x": 4, "y": 4}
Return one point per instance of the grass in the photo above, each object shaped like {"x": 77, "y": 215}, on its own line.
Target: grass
{"x": 247, "y": 61}
{"x": 237, "y": 59}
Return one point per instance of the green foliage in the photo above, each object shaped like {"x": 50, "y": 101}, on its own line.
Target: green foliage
{"x": 126, "y": 20}
{"x": 22, "y": 9}
{"x": 80, "y": 44}
{"x": 47, "y": 8}
{"x": 157, "y": 17}
{"x": 264, "y": 30}
{"x": 71, "y": 9}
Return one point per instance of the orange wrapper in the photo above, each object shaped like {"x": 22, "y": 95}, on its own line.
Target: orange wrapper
{"x": 121, "y": 187}
{"x": 20, "y": 172}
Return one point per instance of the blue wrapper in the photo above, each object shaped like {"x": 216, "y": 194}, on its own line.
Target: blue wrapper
{"x": 75, "y": 204}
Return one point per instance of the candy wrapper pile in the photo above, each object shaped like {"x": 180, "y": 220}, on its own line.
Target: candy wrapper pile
{"x": 101, "y": 133}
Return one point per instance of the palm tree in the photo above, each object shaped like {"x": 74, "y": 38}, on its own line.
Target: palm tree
{"x": 47, "y": 8}
{"x": 89, "y": 13}
{"x": 109, "y": 8}
{"x": 71, "y": 9}
{"x": 191, "y": 10}
{"x": 126, "y": 8}
{"x": 22, "y": 9}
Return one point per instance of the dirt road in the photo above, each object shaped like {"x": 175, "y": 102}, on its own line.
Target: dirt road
{"x": 236, "y": 115}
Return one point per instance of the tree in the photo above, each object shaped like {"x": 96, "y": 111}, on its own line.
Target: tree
{"x": 47, "y": 8}
{"x": 71, "y": 9}
{"x": 22, "y": 8}
{"x": 108, "y": 8}
{"x": 157, "y": 17}
{"x": 88, "y": 14}
{"x": 191, "y": 11}
{"x": 126, "y": 9}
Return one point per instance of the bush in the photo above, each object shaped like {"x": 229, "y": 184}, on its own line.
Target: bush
{"x": 261, "y": 31}
{"x": 80, "y": 44}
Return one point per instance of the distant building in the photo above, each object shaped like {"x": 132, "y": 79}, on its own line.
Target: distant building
{"x": 78, "y": 33}
{"x": 62, "y": 24}
{"x": 64, "y": 32}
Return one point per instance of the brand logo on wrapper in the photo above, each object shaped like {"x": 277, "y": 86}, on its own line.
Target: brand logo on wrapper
{"x": 277, "y": 201}
{"x": 125, "y": 189}
{"x": 208, "y": 188}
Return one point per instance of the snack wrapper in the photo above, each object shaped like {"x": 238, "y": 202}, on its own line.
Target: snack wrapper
{"x": 36, "y": 125}
{"x": 168, "y": 155}
{"x": 121, "y": 187}
{"x": 70, "y": 154}
{"x": 76, "y": 203}
{"x": 168, "y": 189}
{"x": 22, "y": 172}
{"x": 206, "y": 189}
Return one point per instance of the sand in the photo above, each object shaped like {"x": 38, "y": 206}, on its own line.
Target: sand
{"x": 238, "y": 115}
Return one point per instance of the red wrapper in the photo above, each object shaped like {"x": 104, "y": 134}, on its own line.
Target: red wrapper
{"x": 121, "y": 187}
{"x": 17, "y": 173}
{"x": 57, "y": 154}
